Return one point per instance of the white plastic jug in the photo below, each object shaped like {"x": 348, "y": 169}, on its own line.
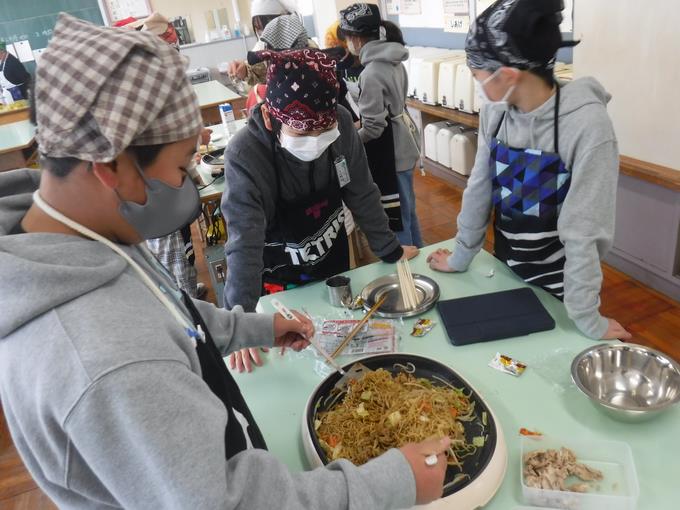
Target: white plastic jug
{"x": 463, "y": 148}
{"x": 465, "y": 96}
{"x": 446, "y": 86}
{"x": 444, "y": 137}
{"x": 431, "y": 131}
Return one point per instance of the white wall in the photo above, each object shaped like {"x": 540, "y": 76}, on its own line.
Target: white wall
{"x": 211, "y": 55}
{"x": 633, "y": 48}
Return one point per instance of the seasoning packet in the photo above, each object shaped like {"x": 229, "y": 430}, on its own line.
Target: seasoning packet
{"x": 357, "y": 303}
{"x": 423, "y": 327}
{"x": 377, "y": 336}
{"x": 507, "y": 364}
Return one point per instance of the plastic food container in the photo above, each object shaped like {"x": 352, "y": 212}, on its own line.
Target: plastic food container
{"x": 618, "y": 490}
{"x": 532, "y": 508}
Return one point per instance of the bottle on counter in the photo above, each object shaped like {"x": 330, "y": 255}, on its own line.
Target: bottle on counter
{"x": 7, "y": 97}
{"x": 228, "y": 119}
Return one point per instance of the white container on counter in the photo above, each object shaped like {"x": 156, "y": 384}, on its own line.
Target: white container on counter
{"x": 618, "y": 490}
{"x": 430, "y": 135}
{"x": 444, "y": 136}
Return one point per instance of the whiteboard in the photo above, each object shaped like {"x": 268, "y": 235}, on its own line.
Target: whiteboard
{"x": 121, "y": 9}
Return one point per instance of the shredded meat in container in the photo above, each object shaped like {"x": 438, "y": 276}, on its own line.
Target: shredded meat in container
{"x": 549, "y": 469}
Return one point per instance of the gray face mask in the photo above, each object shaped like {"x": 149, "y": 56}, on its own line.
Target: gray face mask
{"x": 167, "y": 209}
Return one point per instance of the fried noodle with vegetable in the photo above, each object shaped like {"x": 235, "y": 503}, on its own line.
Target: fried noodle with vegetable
{"x": 380, "y": 411}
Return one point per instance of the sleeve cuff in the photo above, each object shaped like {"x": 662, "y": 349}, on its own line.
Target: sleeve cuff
{"x": 393, "y": 256}
{"x": 256, "y": 329}
{"x": 594, "y": 329}
{"x": 460, "y": 259}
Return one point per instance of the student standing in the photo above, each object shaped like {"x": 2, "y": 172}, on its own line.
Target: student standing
{"x": 261, "y": 12}
{"x": 388, "y": 133}
{"x": 547, "y": 164}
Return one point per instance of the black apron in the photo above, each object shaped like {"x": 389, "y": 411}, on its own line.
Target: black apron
{"x": 529, "y": 188}
{"x": 382, "y": 162}
{"x": 222, "y": 384}
{"x": 308, "y": 241}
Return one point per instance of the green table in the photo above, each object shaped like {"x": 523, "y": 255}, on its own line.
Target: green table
{"x": 15, "y": 138}
{"x": 213, "y": 188}
{"x": 213, "y": 93}
{"x": 543, "y": 398}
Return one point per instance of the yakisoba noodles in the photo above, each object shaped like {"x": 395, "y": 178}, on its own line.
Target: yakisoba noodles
{"x": 380, "y": 411}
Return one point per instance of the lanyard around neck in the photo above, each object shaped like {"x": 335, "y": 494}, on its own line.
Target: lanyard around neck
{"x": 193, "y": 332}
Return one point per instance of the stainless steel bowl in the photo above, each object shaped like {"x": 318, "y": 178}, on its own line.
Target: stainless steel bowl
{"x": 427, "y": 294}
{"x": 628, "y": 382}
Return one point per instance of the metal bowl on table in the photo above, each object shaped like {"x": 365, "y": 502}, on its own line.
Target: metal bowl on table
{"x": 427, "y": 294}
{"x": 628, "y": 382}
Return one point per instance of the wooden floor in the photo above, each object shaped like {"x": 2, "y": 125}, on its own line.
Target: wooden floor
{"x": 653, "y": 319}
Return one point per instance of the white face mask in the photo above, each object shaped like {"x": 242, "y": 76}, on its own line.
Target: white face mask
{"x": 352, "y": 48}
{"x": 309, "y": 148}
{"x": 481, "y": 92}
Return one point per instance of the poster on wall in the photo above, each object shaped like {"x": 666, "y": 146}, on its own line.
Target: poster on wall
{"x": 456, "y": 16}
{"x": 411, "y": 7}
{"x": 393, "y": 6}
{"x": 117, "y": 10}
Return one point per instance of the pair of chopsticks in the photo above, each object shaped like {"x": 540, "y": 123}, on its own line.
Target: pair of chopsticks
{"x": 358, "y": 327}
{"x": 407, "y": 285}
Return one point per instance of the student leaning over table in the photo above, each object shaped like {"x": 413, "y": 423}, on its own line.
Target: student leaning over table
{"x": 112, "y": 382}
{"x": 547, "y": 164}
{"x": 287, "y": 177}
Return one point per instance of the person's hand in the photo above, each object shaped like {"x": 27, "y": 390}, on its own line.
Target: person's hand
{"x": 293, "y": 334}
{"x": 438, "y": 260}
{"x": 616, "y": 331}
{"x": 238, "y": 69}
{"x": 409, "y": 252}
{"x": 429, "y": 479}
{"x": 244, "y": 359}
{"x": 357, "y": 124}
{"x": 205, "y": 136}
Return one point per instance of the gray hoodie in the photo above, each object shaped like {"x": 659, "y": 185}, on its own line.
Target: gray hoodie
{"x": 384, "y": 85}
{"x": 103, "y": 394}
{"x": 585, "y": 226}
{"x": 249, "y": 202}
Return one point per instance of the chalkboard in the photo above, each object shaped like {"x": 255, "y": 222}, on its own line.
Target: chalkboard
{"x": 34, "y": 20}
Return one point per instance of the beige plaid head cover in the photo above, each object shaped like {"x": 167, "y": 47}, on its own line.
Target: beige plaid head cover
{"x": 100, "y": 90}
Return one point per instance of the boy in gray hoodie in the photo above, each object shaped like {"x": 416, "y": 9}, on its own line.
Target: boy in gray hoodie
{"x": 547, "y": 164}
{"x": 112, "y": 382}
{"x": 388, "y": 133}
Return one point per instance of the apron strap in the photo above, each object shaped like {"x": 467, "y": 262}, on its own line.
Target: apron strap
{"x": 557, "y": 115}
{"x": 498, "y": 127}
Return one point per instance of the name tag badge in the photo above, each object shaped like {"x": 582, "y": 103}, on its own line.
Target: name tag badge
{"x": 342, "y": 170}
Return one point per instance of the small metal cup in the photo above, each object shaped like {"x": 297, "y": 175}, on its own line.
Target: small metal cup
{"x": 339, "y": 290}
